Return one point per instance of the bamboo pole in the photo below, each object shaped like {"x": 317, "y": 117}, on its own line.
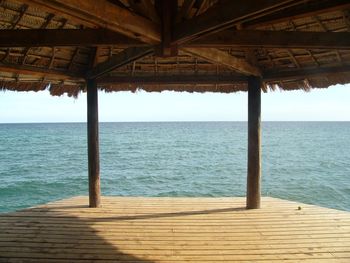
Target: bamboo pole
{"x": 93, "y": 144}
{"x": 254, "y": 143}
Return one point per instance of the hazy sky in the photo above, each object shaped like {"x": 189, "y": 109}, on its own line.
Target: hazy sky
{"x": 332, "y": 104}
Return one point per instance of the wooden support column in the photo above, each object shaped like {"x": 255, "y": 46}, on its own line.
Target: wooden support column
{"x": 93, "y": 145}
{"x": 167, "y": 10}
{"x": 254, "y": 143}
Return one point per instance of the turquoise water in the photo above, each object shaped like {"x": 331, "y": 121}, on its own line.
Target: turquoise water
{"x": 302, "y": 161}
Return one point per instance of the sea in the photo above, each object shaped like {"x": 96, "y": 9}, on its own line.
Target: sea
{"x": 307, "y": 162}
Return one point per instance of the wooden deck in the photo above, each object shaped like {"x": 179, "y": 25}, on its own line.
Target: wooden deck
{"x": 131, "y": 229}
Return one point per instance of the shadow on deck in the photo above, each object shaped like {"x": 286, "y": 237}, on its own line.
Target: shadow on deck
{"x": 45, "y": 236}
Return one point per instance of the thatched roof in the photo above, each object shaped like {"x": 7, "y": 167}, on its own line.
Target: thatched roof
{"x": 184, "y": 45}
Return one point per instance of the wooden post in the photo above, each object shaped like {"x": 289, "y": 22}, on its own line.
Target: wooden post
{"x": 93, "y": 144}
{"x": 254, "y": 143}
{"x": 167, "y": 10}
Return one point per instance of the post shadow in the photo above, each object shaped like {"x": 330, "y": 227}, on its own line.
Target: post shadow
{"x": 49, "y": 236}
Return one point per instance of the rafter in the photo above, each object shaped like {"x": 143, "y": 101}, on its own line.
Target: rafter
{"x": 44, "y": 25}
{"x": 303, "y": 73}
{"x": 324, "y": 28}
{"x": 307, "y": 50}
{"x": 64, "y": 37}
{"x": 223, "y": 58}
{"x": 146, "y": 8}
{"x": 202, "y": 6}
{"x": 275, "y": 39}
{"x": 71, "y": 62}
{"x": 172, "y": 79}
{"x": 103, "y": 14}
{"x": 184, "y": 10}
{"x": 346, "y": 18}
{"x": 226, "y": 14}
{"x": 36, "y": 71}
{"x": 94, "y": 56}
{"x": 24, "y": 9}
{"x": 123, "y": 58}
{"x": 307, "y": 9}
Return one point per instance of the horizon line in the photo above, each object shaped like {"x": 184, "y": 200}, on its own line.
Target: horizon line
{"x": 168, "y": 121}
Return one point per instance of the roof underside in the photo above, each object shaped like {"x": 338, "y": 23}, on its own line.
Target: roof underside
{"x": 184, "y": 45}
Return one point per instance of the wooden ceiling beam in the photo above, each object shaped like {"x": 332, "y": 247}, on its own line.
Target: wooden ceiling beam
{"x": 41, "y": 72}
{"x": 184, "y": 10}
{"x": 278, "y": 75}
{"x": 103, "y": 14}
{"x": 223, "y": 58}
{"x": 307, "y": 9}
{"x": 123, "y": 58}
{"x": 64, "y": 37}
{"x": 226, "y": 39}
{"x": 226, "y": 14}
{"x": 145, "y": 8}
{"x": 274, "y": 39}
{"x": 172, "y": 79}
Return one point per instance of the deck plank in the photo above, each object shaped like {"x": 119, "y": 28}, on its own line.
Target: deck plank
{"x": 140, "y": 229}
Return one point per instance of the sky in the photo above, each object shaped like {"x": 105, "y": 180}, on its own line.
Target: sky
{"x": 332, "y": 104}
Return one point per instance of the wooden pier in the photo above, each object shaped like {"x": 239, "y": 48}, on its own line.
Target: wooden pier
{"x": 139, "y": 229}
